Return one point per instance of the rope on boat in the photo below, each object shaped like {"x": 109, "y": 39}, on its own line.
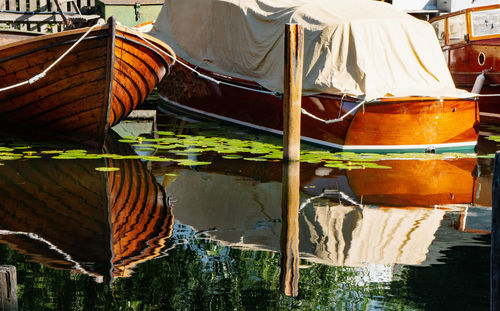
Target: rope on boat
{"x": 172, "y": 54}
{"x": 333, "y": 120}
{"x": 487, "y": 95}
{"x": 203, "y": 76}
{"x": 44, "y": 73}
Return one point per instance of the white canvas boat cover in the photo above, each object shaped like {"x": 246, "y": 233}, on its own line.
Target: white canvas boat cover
{"x": 362, "y": 48}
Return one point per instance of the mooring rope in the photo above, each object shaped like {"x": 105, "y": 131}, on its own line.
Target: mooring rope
{"x": 487, "y": 95}
{"x": 44, "y": 73}
{"x": 307, "y": 113}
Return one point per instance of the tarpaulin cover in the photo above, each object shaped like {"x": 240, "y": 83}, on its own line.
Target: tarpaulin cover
{"x": 362, "y": 48}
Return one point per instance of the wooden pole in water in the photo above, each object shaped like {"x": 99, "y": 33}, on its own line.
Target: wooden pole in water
{"x": 289, "y": 241}
{"x": 495, "y": 238}
{"x": 8, "y": 288}
{"x": 289, "y": 244}
{"x": 292, "y": 91}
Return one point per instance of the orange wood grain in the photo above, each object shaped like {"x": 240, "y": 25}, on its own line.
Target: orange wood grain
{"x": 77, "y": 87}
{"x": 414, "y": 122}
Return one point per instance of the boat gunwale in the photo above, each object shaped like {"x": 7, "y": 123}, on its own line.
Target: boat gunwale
{"x": 43, "y": 37}
{"x": 56, "y": 44}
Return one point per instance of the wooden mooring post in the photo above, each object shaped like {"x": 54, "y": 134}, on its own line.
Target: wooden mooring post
{"x": 495, "y": 238}
{"x": 8, "y": 288}
{"x": 290, "y": 201}
{"x": 292, "y": 91}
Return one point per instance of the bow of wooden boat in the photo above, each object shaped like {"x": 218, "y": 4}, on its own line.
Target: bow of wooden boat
{"x": 75, "y": 84}
{"x": 141, "y": 62}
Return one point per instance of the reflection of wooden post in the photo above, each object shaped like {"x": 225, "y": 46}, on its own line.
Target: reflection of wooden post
{"x": 292, "y": 91}
{"x": 495, "y": 238}
{"x": 8, "y": 288}
{"x": 289, "y": 276}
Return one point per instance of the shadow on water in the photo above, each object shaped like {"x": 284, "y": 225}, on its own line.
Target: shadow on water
{"x": 393, "y": 233}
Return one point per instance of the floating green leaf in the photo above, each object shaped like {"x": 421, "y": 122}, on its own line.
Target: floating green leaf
{"x": 255, "y": 159}
{"x": 107, "y": 169}
{"x": 166, "y": 133}
{"x": 232, "y": 156}
{"x": 189, "y": 162}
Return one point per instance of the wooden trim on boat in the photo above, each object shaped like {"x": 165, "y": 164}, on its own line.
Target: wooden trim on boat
{"x": 110, "y": 73}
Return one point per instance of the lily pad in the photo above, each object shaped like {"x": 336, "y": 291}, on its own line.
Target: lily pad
{"x": 107, "y": 169}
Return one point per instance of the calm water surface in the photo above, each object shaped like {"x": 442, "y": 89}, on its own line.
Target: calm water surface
{"x": 191, "y": 220}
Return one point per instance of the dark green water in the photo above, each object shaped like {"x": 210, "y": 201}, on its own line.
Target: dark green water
{"x": 412, "y": 237}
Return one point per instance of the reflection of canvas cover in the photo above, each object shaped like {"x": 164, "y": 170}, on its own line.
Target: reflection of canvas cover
{"x": 333, "y": 235}
{"x": 362, "y": 48}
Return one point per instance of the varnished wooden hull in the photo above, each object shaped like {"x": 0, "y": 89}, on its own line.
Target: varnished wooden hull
{"x": 65, "y": 214}
{"x": 93, "y": 87}
{"x": 465, "y": 68}
{"x": 471, "y": 54}
{"x": 414, "y": 123}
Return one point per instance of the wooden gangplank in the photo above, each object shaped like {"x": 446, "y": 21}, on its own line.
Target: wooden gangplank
{"x": 39, "y": 15}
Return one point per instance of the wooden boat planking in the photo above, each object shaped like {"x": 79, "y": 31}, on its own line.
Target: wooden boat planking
{"x": 107, "y": 75}
{"x": 67, "y": 215}
{"x": 410, "y": 123}
{"x": 470, "y": 57}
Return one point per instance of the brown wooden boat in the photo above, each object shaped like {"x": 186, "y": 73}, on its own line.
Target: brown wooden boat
{"x": 401, "y": 99}
{"x": 470, "y": 40}
{"x": 405, "y": 124}
{"x": 65, "y": 214}
{"x": 97, "y": 84}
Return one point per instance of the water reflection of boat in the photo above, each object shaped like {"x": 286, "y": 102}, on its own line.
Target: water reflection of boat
{"x": 65, "y": 214}
{"x": 93, "y": 87}
{"x": 470, "y": 40}
{"x": 352, "y": 227}
{"x": 399, "y": 97}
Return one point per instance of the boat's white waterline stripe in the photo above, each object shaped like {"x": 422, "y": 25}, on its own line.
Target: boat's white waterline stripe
{"x": 322, "y": 142}
{"x": 489, "y": 114}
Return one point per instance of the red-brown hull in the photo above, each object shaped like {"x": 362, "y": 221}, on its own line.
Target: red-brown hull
{"x": 471, "y": 50}
{"x": 465, "y": 67}
{"x": 389, "y": 124}
{"x": 93, "y": 87}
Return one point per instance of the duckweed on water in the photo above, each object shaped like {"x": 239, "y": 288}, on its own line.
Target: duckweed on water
{"x": 247, "y": 147}
{"x": 494, "y": 138}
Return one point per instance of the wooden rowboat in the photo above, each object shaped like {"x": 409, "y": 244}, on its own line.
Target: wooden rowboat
{"x": 470, "y": 40}
{"x": 398, "y": 96}
{"x": 97, "y": 84}
{"x": 67, "y": 215}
